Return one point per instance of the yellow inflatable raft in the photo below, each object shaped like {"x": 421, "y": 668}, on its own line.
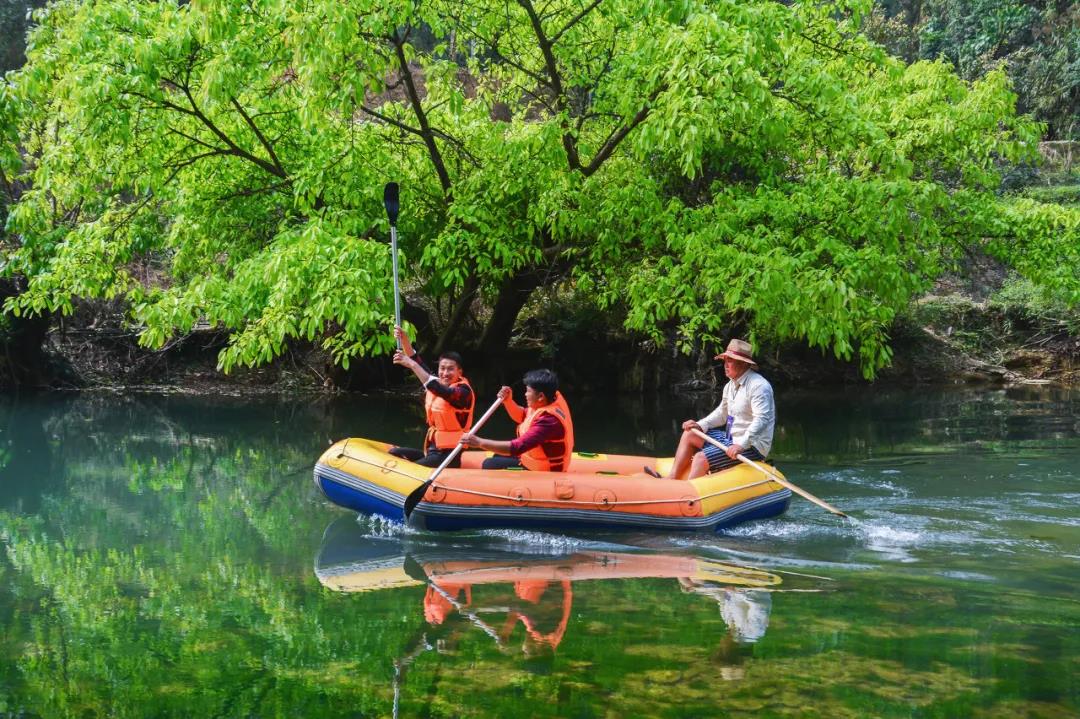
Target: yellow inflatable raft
{"x": 599, "y": 491}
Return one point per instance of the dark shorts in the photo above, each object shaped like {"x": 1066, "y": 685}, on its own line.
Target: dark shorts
{"x": 718, "y": 460}
{"x": 501, "y": 461}
{"x": 432, "y": 459}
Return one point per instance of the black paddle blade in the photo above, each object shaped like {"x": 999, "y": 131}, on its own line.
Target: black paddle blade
{"x": 414, "y": 570}
{"x": 390, "y": 199}
{"x": 415, "y": 496}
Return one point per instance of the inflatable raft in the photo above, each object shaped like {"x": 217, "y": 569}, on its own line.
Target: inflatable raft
{"x": 599, "y": 491}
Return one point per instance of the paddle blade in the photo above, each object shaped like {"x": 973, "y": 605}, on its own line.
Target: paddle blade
{"x": 415, "y": 496}
{"x": 390, "y": 199}
{"x": 414, "y": 569}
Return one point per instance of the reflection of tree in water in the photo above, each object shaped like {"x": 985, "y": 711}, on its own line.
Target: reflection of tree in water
{"x": 29, "y": 466}
{"x": 161, "y": 573}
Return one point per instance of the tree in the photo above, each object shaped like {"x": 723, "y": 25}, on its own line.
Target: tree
{"x": 21, "y": 338}
{"x": 695, "y": 163}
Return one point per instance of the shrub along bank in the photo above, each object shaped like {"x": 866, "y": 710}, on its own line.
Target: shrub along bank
{"x": 965, "y": 331}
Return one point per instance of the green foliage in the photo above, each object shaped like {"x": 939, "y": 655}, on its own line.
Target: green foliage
{"x": 1035, "y": 305}
{"x": 1057, "y": 194}
{"x": 698, "y": 163}
{"x": 10, "y": 161}
{"x": 1038, "y": 41}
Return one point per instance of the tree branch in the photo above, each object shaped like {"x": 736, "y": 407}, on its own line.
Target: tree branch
{"x": 234, "y": 149}
{"x": 461, "y": 309}
{"x": 196, "y": 140}
{"x": 575, "y": 20}
{"x": 421, "y": 117}
{"x": 554, "y": 82}
{"x": 272, "y": 187}
{"x": 262, "y": 139}
{"x": 613, "y": 140}
{"x": 420, "y": 133}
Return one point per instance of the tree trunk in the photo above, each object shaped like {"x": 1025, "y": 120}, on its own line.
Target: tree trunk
{"x": 461, "y": 309}
{"x": 22, "y": 340}
{"x": 513, "y": 295}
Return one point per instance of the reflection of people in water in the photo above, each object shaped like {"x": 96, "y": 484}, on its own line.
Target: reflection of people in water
{"x": 536, "y": 641}
{"x": 545, "y": 622}
{"x": 438, "y": 605}
{"x": 745, "y": 612}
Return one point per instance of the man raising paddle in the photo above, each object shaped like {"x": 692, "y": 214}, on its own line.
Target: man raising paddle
{"x": 448, "y": 404}
{"x": 743, "y": 422}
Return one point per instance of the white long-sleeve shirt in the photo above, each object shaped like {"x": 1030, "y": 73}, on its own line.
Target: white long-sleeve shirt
{"x": 748, "y": 400}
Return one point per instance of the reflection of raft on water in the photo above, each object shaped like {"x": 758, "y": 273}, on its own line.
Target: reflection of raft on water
{"x": 537, "y": 589}
{"x": 414, "y": 569}
{"x": 599, "y": 492}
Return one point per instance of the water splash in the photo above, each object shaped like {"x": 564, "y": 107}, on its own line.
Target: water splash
{"x": 381, "y": 527}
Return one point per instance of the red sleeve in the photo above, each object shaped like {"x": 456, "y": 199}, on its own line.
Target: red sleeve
{"x": 544, "y": 428}
{"x": 459, "y": 395}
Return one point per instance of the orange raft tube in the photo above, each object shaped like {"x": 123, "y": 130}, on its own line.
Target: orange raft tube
{"x": 599, "y": 491}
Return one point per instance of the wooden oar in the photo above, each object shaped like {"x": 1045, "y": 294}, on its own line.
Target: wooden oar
{"x": 772, "y": 475}
{"x": 417, "y": 494}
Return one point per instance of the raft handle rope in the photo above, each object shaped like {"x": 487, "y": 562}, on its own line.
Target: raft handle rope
{"x": 605, "y": 502}
{"x": 512, "y": 498}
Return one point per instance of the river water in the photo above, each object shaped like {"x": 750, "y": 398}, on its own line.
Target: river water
{"x": 170, "y": 556}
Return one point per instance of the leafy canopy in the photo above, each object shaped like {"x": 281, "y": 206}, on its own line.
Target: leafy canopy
{"x": 693, "y": 163}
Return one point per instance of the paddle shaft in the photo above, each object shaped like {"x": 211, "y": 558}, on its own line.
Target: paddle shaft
{"x": 417, "y": 494}
{"x": 772, "y": 475}
{"x": 397, "y": 287}
{"x": 487, "y": 628}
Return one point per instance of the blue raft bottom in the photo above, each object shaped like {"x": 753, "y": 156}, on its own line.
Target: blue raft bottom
{"x": 365, "y": 497}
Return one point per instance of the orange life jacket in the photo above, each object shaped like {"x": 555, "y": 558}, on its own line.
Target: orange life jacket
{"x": 552, "y": 456}
{"x": 446, "y": 423}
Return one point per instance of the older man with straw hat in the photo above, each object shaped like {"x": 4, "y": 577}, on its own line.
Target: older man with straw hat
{"x": 743, "y": 422}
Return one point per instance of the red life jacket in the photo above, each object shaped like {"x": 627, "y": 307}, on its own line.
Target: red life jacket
{"x": 554, "y": 455}
{"x": 446, "y": 423}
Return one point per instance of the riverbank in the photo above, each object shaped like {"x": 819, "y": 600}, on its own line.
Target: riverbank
{"x": 952, "y": 336}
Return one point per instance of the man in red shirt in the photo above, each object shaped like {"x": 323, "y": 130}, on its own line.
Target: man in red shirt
{"x": 545, "y": 430}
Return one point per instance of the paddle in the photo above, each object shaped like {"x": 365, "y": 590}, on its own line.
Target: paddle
{"x": 772, "y": 475}
{"x": 417, "y": 494}
{"x": 390, "y": 200}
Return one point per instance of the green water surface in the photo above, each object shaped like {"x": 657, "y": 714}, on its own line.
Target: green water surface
{"x": 170, "y": 556}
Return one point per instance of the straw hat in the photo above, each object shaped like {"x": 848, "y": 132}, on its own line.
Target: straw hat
{"x": 738, "y": 350}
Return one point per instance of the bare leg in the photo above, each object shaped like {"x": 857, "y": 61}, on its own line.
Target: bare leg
{"x": 699, "y": 466}
{"x": 689, "y": 445}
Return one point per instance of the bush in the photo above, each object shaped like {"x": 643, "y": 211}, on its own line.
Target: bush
{"x": 1019, "y": 299}
{"x": 1060, "y": 194}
